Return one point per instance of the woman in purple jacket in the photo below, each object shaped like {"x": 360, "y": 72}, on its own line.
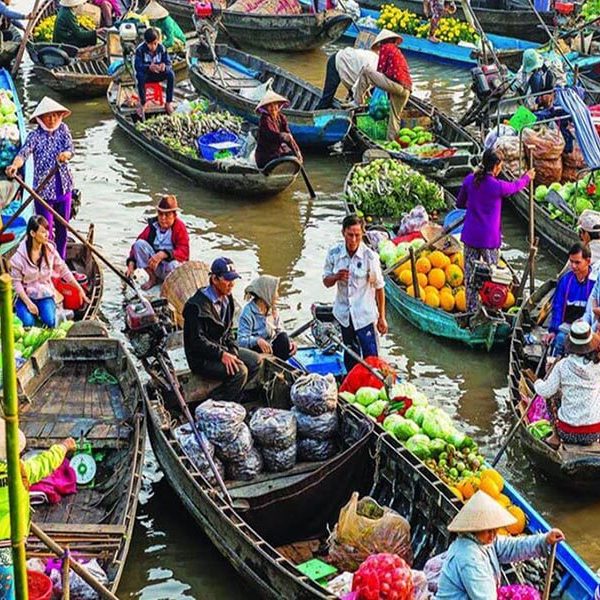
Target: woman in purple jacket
{"x": 482, "y": 194}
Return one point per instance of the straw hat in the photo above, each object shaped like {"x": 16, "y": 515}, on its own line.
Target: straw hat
{"x": 22, "y": 440}
{"x": 532, "y": 60}
{"x": 167, "y": 204}
{"x": 448, "y": 244}
{"x": 155, "y": 11}
{"x": 46, "y": 106}
{"x": 386, "y": 34}
{"x": 269, "y": 98}
{"x": 481, "y": 513}
{"x": 580, "y": 340}
{"x": 72, "y": 3}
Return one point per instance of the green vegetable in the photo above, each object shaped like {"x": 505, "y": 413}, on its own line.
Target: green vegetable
{"x": 347, "y": 396}
{"x": 375, "y": 409}
{"x": 405, "y": 429}
{"x": 416, "y": 414}
{"x": 437, "y": 446}
{"x": 419, "y": 446}
{"x": 367, "y": 395}
{"x": 391, "y": 421}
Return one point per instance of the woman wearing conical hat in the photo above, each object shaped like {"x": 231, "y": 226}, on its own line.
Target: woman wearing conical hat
{"x": 50, "y": 143}
{"x": 274, "y": 136}
{"x": 471, "y": 568}
{"x": 159, "y": 17}
{"x": 66, "y": 28}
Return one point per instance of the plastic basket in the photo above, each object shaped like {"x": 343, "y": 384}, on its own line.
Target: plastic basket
{"x": 39, "y": 586}
{"x": 212, "y": 143}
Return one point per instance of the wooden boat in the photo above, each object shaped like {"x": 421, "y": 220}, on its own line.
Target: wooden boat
{"x": 76, "y": 72}
{"x": 238, "y": 78}
{"x": 59, "y": 399}
{"x": 221, "y": 176}
{"x": 10, "y": 47}
{"x": 576, "y": 467}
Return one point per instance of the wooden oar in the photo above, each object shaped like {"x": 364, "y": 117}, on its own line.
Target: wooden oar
{"x": 549, "y": 572}
{"x": 307, "y": 183}
{"x": 28, "y": 29}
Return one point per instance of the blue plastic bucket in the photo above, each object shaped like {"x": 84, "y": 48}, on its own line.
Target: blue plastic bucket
{"x": 211, "y": 143}
{"x": 455, "y": 215}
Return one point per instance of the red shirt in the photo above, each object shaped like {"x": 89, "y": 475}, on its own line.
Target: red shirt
{"x": 393, "y": 65}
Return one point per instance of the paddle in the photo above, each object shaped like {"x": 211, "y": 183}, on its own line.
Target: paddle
{"x": 512, "y": 432}
{"x": 26, "y": 34}
{"x": 548, "y": 582}
{"x": 307, "y": 183}
{"x": 445, "y": 232}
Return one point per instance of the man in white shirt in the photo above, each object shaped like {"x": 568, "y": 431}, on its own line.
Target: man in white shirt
{"x": 344, "y": 66}
{"x": 359, "y": 304}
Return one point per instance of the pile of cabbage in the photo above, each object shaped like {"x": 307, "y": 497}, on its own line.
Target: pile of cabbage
{"x": 390, "y": 254}
{"x": 580, "y": 196}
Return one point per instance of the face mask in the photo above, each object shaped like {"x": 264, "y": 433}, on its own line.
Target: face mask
{"x": 45, "y": 127}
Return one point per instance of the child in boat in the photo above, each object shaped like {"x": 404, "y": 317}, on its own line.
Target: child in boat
{"x": 260, "y": 327}
{"x": 33, "y": 470}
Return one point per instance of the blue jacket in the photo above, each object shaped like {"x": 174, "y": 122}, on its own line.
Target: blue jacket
{"x": 144, "y": 58}
{"x": 471, "y": 570}
{"x": 569, "y": 300}
{"x": 253, "y": 325}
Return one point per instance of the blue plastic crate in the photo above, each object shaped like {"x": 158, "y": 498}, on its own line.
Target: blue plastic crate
{"x": 216, "y": 141}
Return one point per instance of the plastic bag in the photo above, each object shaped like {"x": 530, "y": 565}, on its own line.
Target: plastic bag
{"x": 414, "y": 221}
{"x": 538, "y": 410}
{"x": 313, "y": 450}
{"x": 379, "y": 105}
{"x": 496, "y": 133}
{"x": 507, "y": 148}
{"x": 188, "y": 442}
{"x": 208, "y": 473}
{"x": 247, "y": 468}
{"x": 546, "y": 146}
{"x": 572, "y": 163}
{"x": 518, "y": 592}
{"x": 220, "y": 421}
{"x": 359, "y": 376}
{"x": 433, "y": 570}
{"x": 314, "y": 394}
{"x": 274, "y": 428}
{"x": 79, "y": 589}
{"x": 321, "y": 427}
{"x": 236, "y": 449}
{"x": 279, "y": 459}
{"x": 420, "y": 589}
{"x": 364, "y": 528}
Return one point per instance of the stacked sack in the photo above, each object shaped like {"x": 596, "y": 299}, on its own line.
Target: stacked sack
{"x": 315, "y": 402}
{"x": 188, "y": 442}
{"x": 223, "y": 424}
{"x": 274, "y": 430}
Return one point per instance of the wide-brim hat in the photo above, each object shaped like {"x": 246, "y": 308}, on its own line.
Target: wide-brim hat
{"x": 589, "y": 220}
{"x": 155, "y": 11}
{"x": 22, "y": 440}
{"x": 167, "y": 204}
{"x": 271, "y": 97}
{"x": 72, "y": 3}
{"x": 386, "y": 34}
{"x": 481, "y": 513}
{"x": 532, "y": 60}
{"x": 448, "y": 244}
{"x": 581, "y": 338}
{"x": 47, "y": 106}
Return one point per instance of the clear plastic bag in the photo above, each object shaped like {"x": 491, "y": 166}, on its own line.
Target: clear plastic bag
{"x": 220, "y": 421}
{"x": 314, "y": 394}
{"x": 279, "y": 459}
{"x": 364, "y": 528}
{"x": 274, "y": 428}
{"x": 79, "y": 589}
{"x": 321, "y": 427}
{"x": 247, "y": 468}
{"x": 187, "y": 440}
{"x": 236, "y": 449}
{"x": 313, "y": 450}
{"x": 433, "y": 570}
{"x": 208, "y": 473}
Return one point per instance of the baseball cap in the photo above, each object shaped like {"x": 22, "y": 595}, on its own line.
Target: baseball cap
{"x": 223, "y": 267}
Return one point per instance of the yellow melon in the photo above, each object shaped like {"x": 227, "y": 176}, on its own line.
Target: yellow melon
{"x": 460, "y": 301}
{"x": 403, "y": 267}
{"x": 447, "y": 301}
{"x": 458, "y": 259}
{"x": 432, "y": 298}
{"x": 437, "y": 278}
{"x": 423, "y": 265}
{"x": 519, "y": 526}
{"x": 439, "y": 259}
{"x": 405, "y": 277}
{"x": 422, "y": 279}
{"x": 430, "y": 288}
{"x": 411, "y": 292}
{"x": 454, "y": 275}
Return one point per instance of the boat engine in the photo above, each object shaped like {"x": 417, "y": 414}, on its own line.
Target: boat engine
{"x": 147, "y": 324}
{"x": 323, "y": 324}
{"x": 493, "y": 283}
{"x": 487, "y": 79}
{"x": 206, "y": 17}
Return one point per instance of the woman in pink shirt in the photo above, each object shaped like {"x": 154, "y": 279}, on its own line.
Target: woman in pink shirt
{"x": 32, "y": 268}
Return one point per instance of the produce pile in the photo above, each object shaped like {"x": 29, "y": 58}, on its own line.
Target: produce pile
{"x": 9, "y": 130}
{"x": 591, "y": 10}
{"x": 388, "y": 188}
{"x": 180, "y": 131}
{"x": 45, "y": 29}
{"x": 428, "y": 432}
{"x": 450, "y": 30}
{"x": 580, "y": 196}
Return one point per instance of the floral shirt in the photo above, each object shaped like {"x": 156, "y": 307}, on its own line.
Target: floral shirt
{"x": 45, "y": 147}
{"x": 393, "y": 65}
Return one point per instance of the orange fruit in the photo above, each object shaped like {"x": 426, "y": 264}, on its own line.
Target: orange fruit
{"x": 411, "y": 292}
{"x": 405, "y": 277}
{"x": 457, "y": 493}
{"x": 432, "y": 298}
{"x": 437, "y": 278}
{"x": 460, "y": 301}
{"x": 503, "y": 500}
{"x": 423, "y": 265}
{"x": 493, "y": 474}
{"x": 422, "y": 279}
{"x": 454, "y": 275}
{"x": 447, "y": 301}
{"x": 468, "y": 488}
{"x": 510, "y": 301}
{"x": 430, "y": 288}
{"x": 489, "y": 486}
{"x": 519, "y": 526}
{"x": 458, "y": 259}
{"x": 403, "y": 267}
{"x": 438, "y": 259}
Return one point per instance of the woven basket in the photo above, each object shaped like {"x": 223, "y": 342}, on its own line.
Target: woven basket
{"x": 182, "y": 284}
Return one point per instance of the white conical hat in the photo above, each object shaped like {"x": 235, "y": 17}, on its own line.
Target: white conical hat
{"x": 22, "y": 440}
{"x": 155, "y": 11}
{"x": 386, "y": 34}
{"x": 481, "y": 513}
{"x": 47, "y": 105}
{"x": 271, "y": 97}
{"x": 72, "y": 3}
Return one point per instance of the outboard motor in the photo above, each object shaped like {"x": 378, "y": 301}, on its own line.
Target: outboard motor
{"x": 206, "y": 16}
{"x": 147, "y": 324}
{"x": 493, "y": 283}
{"x": 487, "y": 79}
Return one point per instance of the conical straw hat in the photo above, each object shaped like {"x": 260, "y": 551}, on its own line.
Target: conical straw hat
{"x": 386, "y": 34}
{"x": 72, "y": 3}
{"x": 48, "y": 105}
{"x": 182, "y": 283}
{"x": 481, "y": 513}
{"x": 22, "y": 440}
{"x": 271, "y": 97}
{"x": 155, "y": 11}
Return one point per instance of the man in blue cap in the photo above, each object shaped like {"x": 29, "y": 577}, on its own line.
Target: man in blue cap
{"x": 210, "y": 347}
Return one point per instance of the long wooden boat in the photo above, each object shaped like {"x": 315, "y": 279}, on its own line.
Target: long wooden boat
{"x": 9, "y": 48}
{"x": 60, "y": 399}
{"x": 218, "y": 175}
{"x": 85, "y": 74}
{"x": 576, "y": 467}
{"x": 238, "y": 74}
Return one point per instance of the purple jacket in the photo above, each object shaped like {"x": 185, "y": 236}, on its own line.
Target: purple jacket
{"x": 483, "y": 201}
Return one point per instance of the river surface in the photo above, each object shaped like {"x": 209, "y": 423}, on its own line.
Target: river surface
{"x": 287, "y": 236}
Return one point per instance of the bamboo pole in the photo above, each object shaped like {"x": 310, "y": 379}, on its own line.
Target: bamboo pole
{"x": 532, "y": 244}
{"x": 413, "y": 272}
{"x": 18, "y": 516}
{"x": 66, "y": 582}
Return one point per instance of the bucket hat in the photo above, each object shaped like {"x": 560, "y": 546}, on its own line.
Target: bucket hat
{"x": 269, "y": 98}
{"x": 532, "y": 60}
{"x": 167, "y": 204}
{"x": 48, "y": 105}
{"x": 580, "y": 340}
{"x": 386, "y": 34}
{"x": 481, "y": 513}
{"x": 155, "y": 11}
{"x": 22, "y": 440}
{"x": 72, "y": 3}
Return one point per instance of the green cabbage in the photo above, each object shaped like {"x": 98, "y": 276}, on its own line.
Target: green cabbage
{"x": 367, "y": 395}
{"x": 375, "y": 409}
{"x": 434, "y": 426}
{"x": 347, "y": 396}
{"x": 390, "y": 422}
{"x": 416, "y": 414}
{"x": 437, "y": 446}
{"x": 405, "y": 429}
{"x": 419, "y": 446}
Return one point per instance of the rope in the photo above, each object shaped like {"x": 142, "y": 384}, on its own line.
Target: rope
{"x": 101, "y": 376}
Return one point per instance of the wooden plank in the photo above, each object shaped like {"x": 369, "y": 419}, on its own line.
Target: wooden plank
{"x": 84, "y": 528}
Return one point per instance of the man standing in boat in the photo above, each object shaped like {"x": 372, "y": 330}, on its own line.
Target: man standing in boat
{"x": 210, "y": 347}
{"x": 359, "y": 305}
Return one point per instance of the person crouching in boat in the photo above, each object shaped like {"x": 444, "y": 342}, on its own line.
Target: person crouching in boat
{"x": 392, "y": 76}
{"x": 210, "y": 347}
{"x": 33, "y": 469}
{"x": 32, "y": 268}
{"x": 66, "y": 28}
{"x": 570, "y": 297}
{"x": 275, "y": 139}
{"x": 163, "y": 245}
{"x": 577, "y": 378}
{"x": 50, "y": 143}
{"x": 260, "y": 328}
{"x": 172, "y": 35}
{"x": 471, "y": 569}
{"x": 482, "y": 194}
{"x": 153, "y": 65}
{"x": 534, "y": 78}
